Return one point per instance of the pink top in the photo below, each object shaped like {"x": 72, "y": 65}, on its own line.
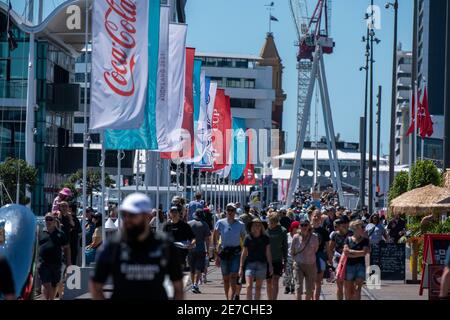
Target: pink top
{"x": 304, "y": 250}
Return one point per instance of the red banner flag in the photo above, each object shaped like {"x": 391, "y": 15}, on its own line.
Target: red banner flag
{"x": 426, "y": 123}
{"x": 188, "y": 112}
{"x": 221, "y": 123}
{"x": 249, "y": 178}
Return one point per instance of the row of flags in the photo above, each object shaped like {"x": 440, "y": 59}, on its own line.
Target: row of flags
{"x": 148, "y": 92}
{"x": 424, "y": 120}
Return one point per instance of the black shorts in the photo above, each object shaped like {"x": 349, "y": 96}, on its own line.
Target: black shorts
{"x": 277, "y": 269}
{"x": 49, "y": 273}
{"x": 197, "y": 261}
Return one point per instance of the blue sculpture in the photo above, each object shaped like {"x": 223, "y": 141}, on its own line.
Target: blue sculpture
{"x": 17, "y": 243}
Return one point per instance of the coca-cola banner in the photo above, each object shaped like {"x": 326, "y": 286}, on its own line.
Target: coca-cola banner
{"x": 144, "y": 137}
{"x": 120, "y": 60}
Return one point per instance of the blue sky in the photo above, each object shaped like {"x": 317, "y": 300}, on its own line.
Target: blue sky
{"x": 240, "y": 26}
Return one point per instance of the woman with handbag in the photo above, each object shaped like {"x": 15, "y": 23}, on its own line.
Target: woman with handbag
{"x": 356, "y": 248}
{"x": 303, "y": 249}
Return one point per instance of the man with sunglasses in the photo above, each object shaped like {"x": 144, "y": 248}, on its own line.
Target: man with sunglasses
{"x": 231, "y": 233}
{"x": 52, "y": 243}
{"x": 140, "y": 260}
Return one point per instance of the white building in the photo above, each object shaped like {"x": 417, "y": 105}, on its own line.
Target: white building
{"x": 248, "y": 85}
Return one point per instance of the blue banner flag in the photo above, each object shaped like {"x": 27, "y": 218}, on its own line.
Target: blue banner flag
{"x": 239, "y": 149}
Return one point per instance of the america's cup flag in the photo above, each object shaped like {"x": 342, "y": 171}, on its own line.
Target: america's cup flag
{"x": 119, "y": 62}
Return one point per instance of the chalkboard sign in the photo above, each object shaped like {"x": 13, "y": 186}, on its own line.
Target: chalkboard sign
{"x": 390, "y": 258}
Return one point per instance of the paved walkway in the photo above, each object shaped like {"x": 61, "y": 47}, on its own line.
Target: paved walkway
{"x": 394, "y": 290}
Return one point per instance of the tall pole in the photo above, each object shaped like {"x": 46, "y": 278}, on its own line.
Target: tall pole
{"x": 447, "y": 94}
{"x": 364, "y": 140}
{"x": 394, "y": 98}
{"x": 85, "y": 133}
{"x": 378, "y": 145}
{"x": 362, "y": 186}
{"x": 372, "y": 36}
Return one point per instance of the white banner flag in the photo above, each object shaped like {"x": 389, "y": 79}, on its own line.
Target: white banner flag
{"x": 162, "y": 98}
{"x": 119, "y": 64}
{"x": 176, "y": 85}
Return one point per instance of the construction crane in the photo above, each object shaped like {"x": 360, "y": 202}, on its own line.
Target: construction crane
{"x": 314, "y": 41}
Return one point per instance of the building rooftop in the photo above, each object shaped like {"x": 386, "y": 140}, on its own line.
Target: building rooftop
{"x": 308, "y": 154}
{"x": 228, "y": 55}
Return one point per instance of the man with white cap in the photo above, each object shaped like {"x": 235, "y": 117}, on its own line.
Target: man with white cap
{"x": 140, "y": 261}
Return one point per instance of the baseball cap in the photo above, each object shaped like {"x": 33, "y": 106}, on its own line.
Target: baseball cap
{"x": 338, "y": 222}
{"x": 136, "y": 203}
{"x": 231, "y": 206}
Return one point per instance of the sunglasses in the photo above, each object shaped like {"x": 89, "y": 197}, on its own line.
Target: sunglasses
{"x": 49, "y": 219}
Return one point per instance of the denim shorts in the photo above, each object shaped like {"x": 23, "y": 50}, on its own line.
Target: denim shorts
{"x": 230, "y": 266}
{"x": 256, "y": 270}
{"x": 356, "y": 271}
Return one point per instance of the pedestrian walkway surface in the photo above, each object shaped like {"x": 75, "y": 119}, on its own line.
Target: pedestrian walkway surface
{"x": 393, "y": 290}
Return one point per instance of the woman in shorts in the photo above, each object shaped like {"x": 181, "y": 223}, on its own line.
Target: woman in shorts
{"x": 256, "y": 255}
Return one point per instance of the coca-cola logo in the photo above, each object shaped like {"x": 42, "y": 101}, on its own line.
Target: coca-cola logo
{"x": 120, "y": 20}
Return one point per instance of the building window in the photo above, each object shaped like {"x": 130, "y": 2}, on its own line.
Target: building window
{"x": 77, "y": 138}
{"x": 233, "y": 83}
{"x": 79, "y": 120}
{"x": 88, "y": 96}
{"x": 79, "y": 77}
{"x": 249, "y": 83}
{"x": 241, "y": 63}
{"x": 243, "y": 103}
{"x": 219, "y": 81}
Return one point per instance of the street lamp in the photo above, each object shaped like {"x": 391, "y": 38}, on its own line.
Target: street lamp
{"x": 394, "y": 93}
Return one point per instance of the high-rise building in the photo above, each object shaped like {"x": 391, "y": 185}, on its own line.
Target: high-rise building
{"x": 403, "y": 110}
{"x": 430, "y": 48}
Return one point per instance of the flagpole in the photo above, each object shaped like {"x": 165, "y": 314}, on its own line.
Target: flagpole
{"x": 416, "y": 121}
{"x": 192, "y": 179}
{"x": 147, "y": 171}
{"x": 137, "y": 170}
{"x": 185, "y": 181}
{"x": 103, "y": 174}
{"x": 206, "y": 188}
{"x": 168, "y": 185}
{"x": 85, "y": 133}
{"x": 178, "y": 178}
{"x": 158, "y": 185}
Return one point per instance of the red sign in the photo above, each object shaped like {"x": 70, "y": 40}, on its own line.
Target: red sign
{"x": 434, "y": 253}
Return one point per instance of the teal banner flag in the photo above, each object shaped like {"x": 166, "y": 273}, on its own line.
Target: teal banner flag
{"x": 239, "y": 149}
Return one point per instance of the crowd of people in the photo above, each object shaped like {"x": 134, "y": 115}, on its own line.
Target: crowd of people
{"x": 300, "y": 246}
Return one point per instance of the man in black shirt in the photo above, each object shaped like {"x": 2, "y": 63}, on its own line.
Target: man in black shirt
{"x": 7, "y": 289}
{"x": 180, "y": 232}
{"x": 52, "y": 243}
{"x": 140, "y": 261}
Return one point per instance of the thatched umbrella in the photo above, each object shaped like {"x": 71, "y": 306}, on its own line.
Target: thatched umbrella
{"x": 447, "y": 179}
{"x": 423, "y": 201}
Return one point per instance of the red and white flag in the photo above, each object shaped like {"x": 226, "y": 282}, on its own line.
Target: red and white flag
{"x": 426, "y": 122}
{"x": 119, "y": 64}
